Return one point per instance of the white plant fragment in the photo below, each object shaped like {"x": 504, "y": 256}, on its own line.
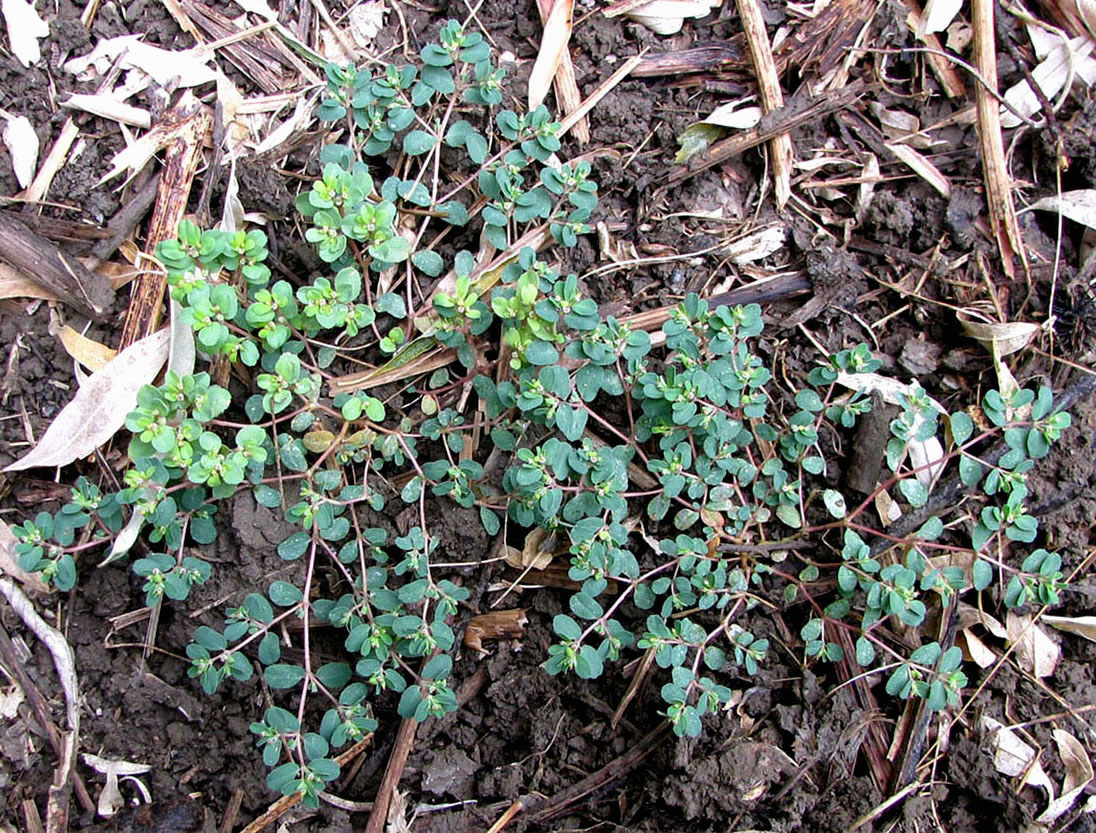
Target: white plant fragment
{"x": 25, "y": 29}
{"x": 22, "y": 143}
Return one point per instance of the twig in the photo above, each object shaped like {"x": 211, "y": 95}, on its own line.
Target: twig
{"x": 566, "y": 87}
{"x": 941, "y": 67}
{"x": 1002, "y": 211}
{"x": 795, "y": 113}
{"x": 772, "y": 97}
{"x": 67, "y": 278}
{"x": 282, "y": 806}
{"x": 397, "y": 761}
{"x": 190, "y": 121}
{"x": 65, "y": 663}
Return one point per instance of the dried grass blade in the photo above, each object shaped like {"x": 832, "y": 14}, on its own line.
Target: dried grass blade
{"x": 553, "y": 46}
{"x": 566, "y": 87}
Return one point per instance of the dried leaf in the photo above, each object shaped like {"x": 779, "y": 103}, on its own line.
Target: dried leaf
{"x": 100, "y": 406}
{"x": 9, "y": 563}
{"x": 734, "y": 116}
{"x": 183, "y": 68}
{"x": 921, "y": 166}
{"x": 1000, "y": 339}
{"x": 665, "y": 17}
{"x": 975, "y": 649}
{"x": 25, "y": 29}
{"x": 1015, "y": 758}
{"x": 22, "y": 144}
{"x": 90, "y": 353}
{"x": 553, "y": 45}
{"x": 366, "y": 21}
{"x": 1067, "y": 61}
{"x": 756, "y": 246}
{"x": 1078, "y": 206}
{"x": 1036, "y": 652}
{"x": 1078, "y": 775}
{"x": 938, "y": 15}
{"x": 109, "y": 107}
{"x": 498, "y": 624}
{"x": 14, "y": 284}
{"x": 110, "y": 799}
{"x": 1079, "y": 625}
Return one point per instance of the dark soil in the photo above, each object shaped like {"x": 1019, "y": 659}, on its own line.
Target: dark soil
{"x": 786, "y": 756}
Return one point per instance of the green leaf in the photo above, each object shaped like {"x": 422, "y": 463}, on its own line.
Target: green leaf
{"x": 865, "y": 652}
{"x": 962, "y": 426}
{"x": 490, "y": 521}
{"x": 417, "y": 142}
{"x": 428, "y": 262}
{"x": 835, "y": 503}
{"x": 585, "y": 606}
{"x": 981, "y": 574}
{"x": 541, "y": 353}
{"x": 283, "y": 676}
{"x": 294, "y": 546}
{"x": 566, "y": 627}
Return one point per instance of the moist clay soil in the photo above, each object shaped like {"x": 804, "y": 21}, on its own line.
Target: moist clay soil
{"x": 887, "y": 259}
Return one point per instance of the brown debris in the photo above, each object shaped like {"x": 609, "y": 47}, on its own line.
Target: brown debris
{"x": 1002, "y": 211}
{"x": 63, "y": 276}
{"x": 188, "y": 122}
{"x": 498, "y": 624}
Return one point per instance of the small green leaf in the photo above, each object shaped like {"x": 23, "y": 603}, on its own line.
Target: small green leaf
{"x": 417, "y": 142}
{"x": 283, "y": 676}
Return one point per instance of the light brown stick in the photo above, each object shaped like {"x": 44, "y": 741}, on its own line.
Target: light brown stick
{"x": 191, "y": 121}
{"x": 1002, "y": 211}
{"x": 397, "y": 761}
{"x": 772, "y": 97}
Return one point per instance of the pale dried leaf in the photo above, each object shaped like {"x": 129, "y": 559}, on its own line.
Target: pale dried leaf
{"x": 927, "y": 457}
{"x": 921, "y": 166}
{"x": 25, "y": 29}
{"x": 236, "y": 129}
{"x": 553, "y": 46}
{"x": 109, "y": 107}
{"x": 887, "y": 508}
{"x": 756, "y": 246}
{"x": 734, "y": 116}
{"x": 938, "y": 15}
{"x": 1036, "y": 652}
{"x": 302, "y": 116}
{"x": 665, "y": 17}
{"x": 869, "y": 174}
{"x": 125, "y": 539}
{"x": 1000, "y": 339}
{"x": 970, "y": 615}
{"x": 1078, "y": 775}
{"x": 960, "y": 36}
{"x": 181, "y": 354}
{"x": 184, "y": 68}
{"x": 1013, "y": 757}
{"x": 1078, "y": 625}
{"x": 88, "y": 352}
{"x": 111, "y": 799}
{"x": 1065, "y": 62}
{"x": 366, "y": 21}
{"x": 9, "y": 563}
{"x": 22, "y": 145}
{"x": 100, "y": 407}
{"x": 397, "y": 814}
{"x": 14, "y": 284}
{"x": 887, "y": 387}
{"x": 977, "y": 650}
{"x": 259, "y": 7}
{"x": 10, "y": 701}
{"x": 1078, "y": 206}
